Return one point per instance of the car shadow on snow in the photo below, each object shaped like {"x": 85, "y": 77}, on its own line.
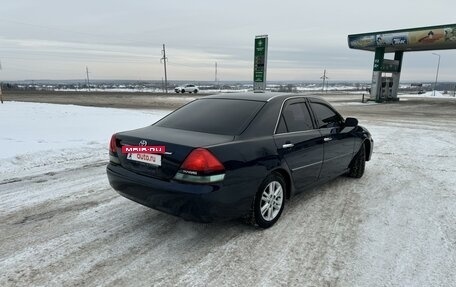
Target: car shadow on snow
{"x": 328, "y": 193}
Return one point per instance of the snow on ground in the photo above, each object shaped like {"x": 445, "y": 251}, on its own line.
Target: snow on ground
{"x": 430, "y": 94}
{"x": 122, "y": 90}
{"x": 151, "y": 90}
{"x": 65, "y": 226}
{"x": 45, "y": 134}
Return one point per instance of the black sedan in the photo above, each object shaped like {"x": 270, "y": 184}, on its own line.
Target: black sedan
{"x": 236, "y": 155}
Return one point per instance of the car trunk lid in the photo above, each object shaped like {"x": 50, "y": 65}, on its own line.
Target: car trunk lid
{"x": 178, "y": 144}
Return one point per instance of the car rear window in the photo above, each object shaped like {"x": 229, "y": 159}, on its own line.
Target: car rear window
{"x": 214, "y": 116}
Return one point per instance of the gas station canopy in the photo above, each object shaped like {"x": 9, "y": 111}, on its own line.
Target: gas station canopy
{"x": 387, "y": 72}
{"x": 416, "y": 39}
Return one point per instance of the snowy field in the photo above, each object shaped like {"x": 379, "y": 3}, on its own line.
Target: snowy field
{"x": 430, "y": 94}
{"x": 62, "y": 225}
{"x": 36, "y": 135}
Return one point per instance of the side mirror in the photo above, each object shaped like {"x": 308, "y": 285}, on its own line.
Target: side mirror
{"x": 351, "y": 122}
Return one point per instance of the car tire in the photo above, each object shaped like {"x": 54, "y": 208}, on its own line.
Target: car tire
{"x": 269, "y": 201}
{"x": 195, "y": 91}
{"x": 358, "y": 164}
{"x": 182, "y": 91}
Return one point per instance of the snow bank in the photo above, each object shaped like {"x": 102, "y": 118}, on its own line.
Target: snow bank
{"x": 35, "y": 134}
{"x": 430, "y": 94}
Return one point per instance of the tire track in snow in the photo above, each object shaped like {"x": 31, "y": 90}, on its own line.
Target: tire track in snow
{"x": 395, "y": 226}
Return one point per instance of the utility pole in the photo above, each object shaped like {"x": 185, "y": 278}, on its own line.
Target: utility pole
{"x": 88, "y": 80}
{"x": 436, "y": 74}
{"x": 324, "y": 80}
{"x": 1, "y": 94}
{"x": 216, "y": 79}
{"x": 164, "y": 59}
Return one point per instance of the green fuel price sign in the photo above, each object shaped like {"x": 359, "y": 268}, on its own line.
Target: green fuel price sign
{"x": 260, "y": 63}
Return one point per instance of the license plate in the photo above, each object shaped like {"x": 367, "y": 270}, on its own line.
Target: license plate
{"x": 154, "y": 159}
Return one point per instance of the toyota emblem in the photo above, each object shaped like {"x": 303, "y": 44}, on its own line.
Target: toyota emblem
{"x": 143, "y": 143}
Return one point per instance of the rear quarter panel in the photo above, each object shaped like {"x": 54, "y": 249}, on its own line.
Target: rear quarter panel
{"x": 363, "y": 136}
{"x": 248, "y": 162}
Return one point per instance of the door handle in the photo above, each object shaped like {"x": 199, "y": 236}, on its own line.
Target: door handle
{"x": 327, "y": 139}
{"x": 288, "y": 145}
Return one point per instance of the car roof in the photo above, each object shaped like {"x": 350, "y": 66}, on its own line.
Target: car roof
{"x": 262, "y": 97}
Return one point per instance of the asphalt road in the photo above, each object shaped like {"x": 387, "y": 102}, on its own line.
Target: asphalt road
{"x": 132, "y": 100}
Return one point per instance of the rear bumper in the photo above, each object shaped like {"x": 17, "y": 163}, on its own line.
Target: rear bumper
{"x": 195, "y": 202}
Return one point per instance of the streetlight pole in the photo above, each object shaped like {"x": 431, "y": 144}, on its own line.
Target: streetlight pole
{"x": 437, "y": 74}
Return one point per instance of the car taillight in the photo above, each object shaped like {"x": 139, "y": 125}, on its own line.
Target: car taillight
{"x": 112, "y": 144}
{"x": 201, "y": 166}
{"x": 113, "y": 150}
{"x": 202, "y": 161}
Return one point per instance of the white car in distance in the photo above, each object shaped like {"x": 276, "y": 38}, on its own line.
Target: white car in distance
{"x": 187, "y": 88}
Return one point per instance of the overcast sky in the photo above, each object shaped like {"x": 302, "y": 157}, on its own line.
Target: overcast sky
{"x": 55, "y": 39}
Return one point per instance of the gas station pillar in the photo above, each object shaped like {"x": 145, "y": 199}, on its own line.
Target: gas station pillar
{"x": 385, "y": 76}
{"x": 377, "y": 73}
{"x": 398, "y": 55}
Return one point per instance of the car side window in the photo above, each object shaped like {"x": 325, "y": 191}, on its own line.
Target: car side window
{"x": 296, "y": 117}
{"x": 282, "y": 126}
{"x": 326, "y": 117}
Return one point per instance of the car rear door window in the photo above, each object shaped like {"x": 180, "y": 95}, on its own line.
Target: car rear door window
{"x": 326, "y": 116}
{"x": 214, "y": 116}
{"x": 295, "y": 117}
{"x": 281, "y": 127}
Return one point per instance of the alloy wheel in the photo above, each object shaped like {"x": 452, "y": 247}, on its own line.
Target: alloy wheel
{"x": 271, "y": 200}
